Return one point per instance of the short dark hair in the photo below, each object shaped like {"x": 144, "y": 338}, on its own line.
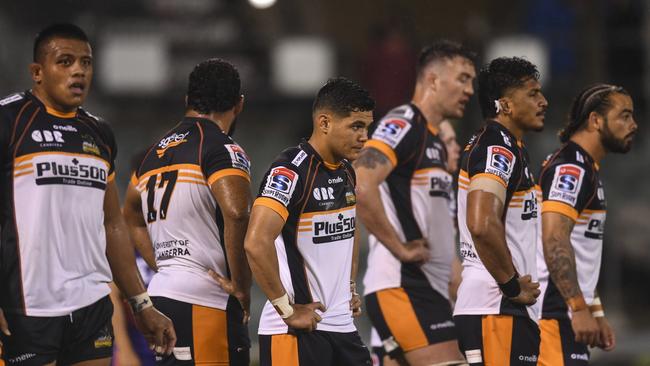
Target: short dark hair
{"x": 500, "y": 76}
{"x": 58, "y": 30}
{"x": 594, "y": 98}
{"x": 214, "y": 86}
{"x": 442, "y": 49}
{"x": 343, "y": 96}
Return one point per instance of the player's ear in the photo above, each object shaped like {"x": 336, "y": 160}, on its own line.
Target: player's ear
{"x": 240, "y": 105}
{"x": 35, "y": 70}
{"x": 594, "y": 122}
{"x": 323, "y": 122}
{"x": 505, "y": 106}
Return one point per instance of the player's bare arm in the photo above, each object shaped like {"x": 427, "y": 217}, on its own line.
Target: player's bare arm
{"x": 484, "y": 211}
{"x": 157, "y": 328}
{"x": 355, "y": 301}
{"x": 372, "y": 167}
{"x": 233, "y": 195}
{"x": 132, "y": 212}
{"x": 561, "y": 263}
{"x": 265, "y": 225}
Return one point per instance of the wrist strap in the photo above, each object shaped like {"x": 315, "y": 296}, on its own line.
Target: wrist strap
{"x": 282, "y": 306}
{"x": 577, "y": 303}
{"x": 140, "y": 302}
{"x": 596, "y": 308}
{"x": 511, "y": 288}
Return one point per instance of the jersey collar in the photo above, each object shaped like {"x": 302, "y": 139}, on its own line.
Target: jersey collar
{"x": 584, "y": 153}
{"x": 306, "y": 146}
{"x": 50, "y": 110}
{"x": 502, "y": 128}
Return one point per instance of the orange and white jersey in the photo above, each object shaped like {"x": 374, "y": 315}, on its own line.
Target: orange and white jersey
{"x": 495, "y": 153}
{"x": 416, "y": 197}
{"x": 55, "y": 169}
{"x": 571, "y": 186}
{"x": 184, "y": 221}
{"x": 314, "y": 249}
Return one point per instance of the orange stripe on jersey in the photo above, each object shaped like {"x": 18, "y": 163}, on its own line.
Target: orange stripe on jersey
{"x": 559, "y": 207}
{"x": 210, "y": 335}
{"x": 550, "y": 348}
{"x": 400, "y": 317}
{"x": 134, "y": 180}
{"x": 426, "y": 170}
{"x": 24, "y": 172}
{"x": 56, "y": 113}
{"x": 384, "y": 149}
{"x": 433, "y": 130}
{"x": 587, "y": 212}
{"x": 192, "y": 167}
{"x": 192, "y": 181}
{"x": 497, "y": 339}
{"x": 111, "y": 177}
{"x": 308, "y": 215}
{"x": 24, "y": 158}
{"x": 284, "y": 350}
{"x": 331, "y": 166}
{"x": 523, "y": 193}
{"x": 226, "y": 172}
{"x": 273, "y": 205}
{"x": 463, "y": 174}
{"x": 490, "y": 176}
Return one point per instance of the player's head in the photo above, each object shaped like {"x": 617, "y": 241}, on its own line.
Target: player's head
{"x": 509, "y": 87}
{"x": 445, "y": 74}
{"x": 214, "y": 87}
{"x": 62, "y": 67}
{"x": 604, "y": 109}
{"x": 342, "y": 112}
{"x": 448, "y": 137}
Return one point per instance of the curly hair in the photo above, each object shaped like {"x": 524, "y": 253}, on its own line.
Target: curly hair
{"x": 58, "y": 30}
{"x": 500, "y": 76}
{"x": 343, "y": 96}
{"x": 594, "y": 98}
{"x": 214, "y": 86}
{"x": 442, "y": 49}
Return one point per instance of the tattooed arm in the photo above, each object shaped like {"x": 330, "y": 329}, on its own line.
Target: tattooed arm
{"x": 561, "y": 263}
{"x": 372, "y": 168}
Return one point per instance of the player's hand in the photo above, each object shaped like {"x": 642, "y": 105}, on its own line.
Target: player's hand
{"x": 607, "y": 336}
{"x": 585, "y": 328}
{"x": 242, "y": 295}
{"x": 157, "y": 329}
{"x": 414, "y": 251}
{"x": 529, "y": 291}
{"x": 355, "y": 302}
{"x": 304, "y": 317}
{"x": 4, "y": 326}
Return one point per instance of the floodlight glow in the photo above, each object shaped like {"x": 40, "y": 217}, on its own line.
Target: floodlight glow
{"x": 262, "y": 4}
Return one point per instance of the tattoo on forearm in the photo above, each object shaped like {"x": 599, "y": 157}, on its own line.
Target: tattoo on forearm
{"x": 561, "y": 262}
{"x": 370, "y": 158}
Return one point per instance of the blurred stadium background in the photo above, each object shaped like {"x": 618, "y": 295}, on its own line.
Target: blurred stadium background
{"x": 285, "y": 49}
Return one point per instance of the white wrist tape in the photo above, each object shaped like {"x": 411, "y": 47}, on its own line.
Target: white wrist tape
{"x": 140, "y": 302}
{"x": 596, "y": 308}
{"x": 282, "y": 306}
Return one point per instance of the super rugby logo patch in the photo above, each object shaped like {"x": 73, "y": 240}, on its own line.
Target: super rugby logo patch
{"x": 391, "y": 131}
{"x": 500, "y": 162}
{"x": 239, "y": 158}
{"x": 566, "y": 184}
{"x": 280, "y": 184}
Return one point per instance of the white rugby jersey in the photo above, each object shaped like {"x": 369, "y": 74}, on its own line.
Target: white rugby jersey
{"x": 571, "y": 186}
{"x": 314, "y": 249}
{"x": 184, "y": 221}
{"x": 55, "y": 168}
{"x": 416, "y": 197}
{"x": 495, "y": 153}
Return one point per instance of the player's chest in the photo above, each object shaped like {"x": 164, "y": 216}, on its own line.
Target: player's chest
{"x": 330, "y": 190}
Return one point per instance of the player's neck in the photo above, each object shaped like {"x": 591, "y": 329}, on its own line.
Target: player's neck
{"x": 223, "y": 120}
{"x": 50, "y": 104}
{"x": 590, "y": 143}
{"x": 319, "y": 143}
{"x": 427, "y": 108}
{"x": 510, "y": 125}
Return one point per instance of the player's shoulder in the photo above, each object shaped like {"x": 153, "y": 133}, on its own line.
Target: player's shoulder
{"x": 10, "y": 105}
{"x": 568, "y": 155}
{"x": 295, "y": 158}
{"x": 495, "y": 134}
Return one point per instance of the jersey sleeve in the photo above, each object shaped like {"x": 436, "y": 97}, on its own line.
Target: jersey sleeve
{"x": 565, "y": 189}
{"x": 493, "y": 158}
{"x": 221, "y": 160}
{"x": 395, "y": 137}
{"x": 280, "y": 189}
{"x": 109, "y": 139}
{"x": 5, "y": 136}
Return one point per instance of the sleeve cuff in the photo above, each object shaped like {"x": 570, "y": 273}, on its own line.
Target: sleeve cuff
{"x": 489, "y": 176}
{"x": 273, "y": 205}
{"x": 384, "y": 149}
{"x": 559, "y": 207}
{"x": 226, "y": 172}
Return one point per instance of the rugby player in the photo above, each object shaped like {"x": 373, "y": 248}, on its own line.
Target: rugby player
{"x": 404, "y": 194}
{"x": 601, "y": 121}
{"x": 301, "y": 238}
{"x": 497, "y": 220}
{"x": 63, "y": 236}
{"x": 187, "y": 207}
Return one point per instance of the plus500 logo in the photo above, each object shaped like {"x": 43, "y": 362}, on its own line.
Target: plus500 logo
{"x": 74, "y": 170}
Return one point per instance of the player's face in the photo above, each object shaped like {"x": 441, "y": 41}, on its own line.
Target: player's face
{"x": 348, "y": 134}
{"x": 529, "y": 106}
{"x": 619, "y": 126}
{"x": 64, "y": 75}
{"x": 456, "y": 86}
{"x": 448, "y": 136}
